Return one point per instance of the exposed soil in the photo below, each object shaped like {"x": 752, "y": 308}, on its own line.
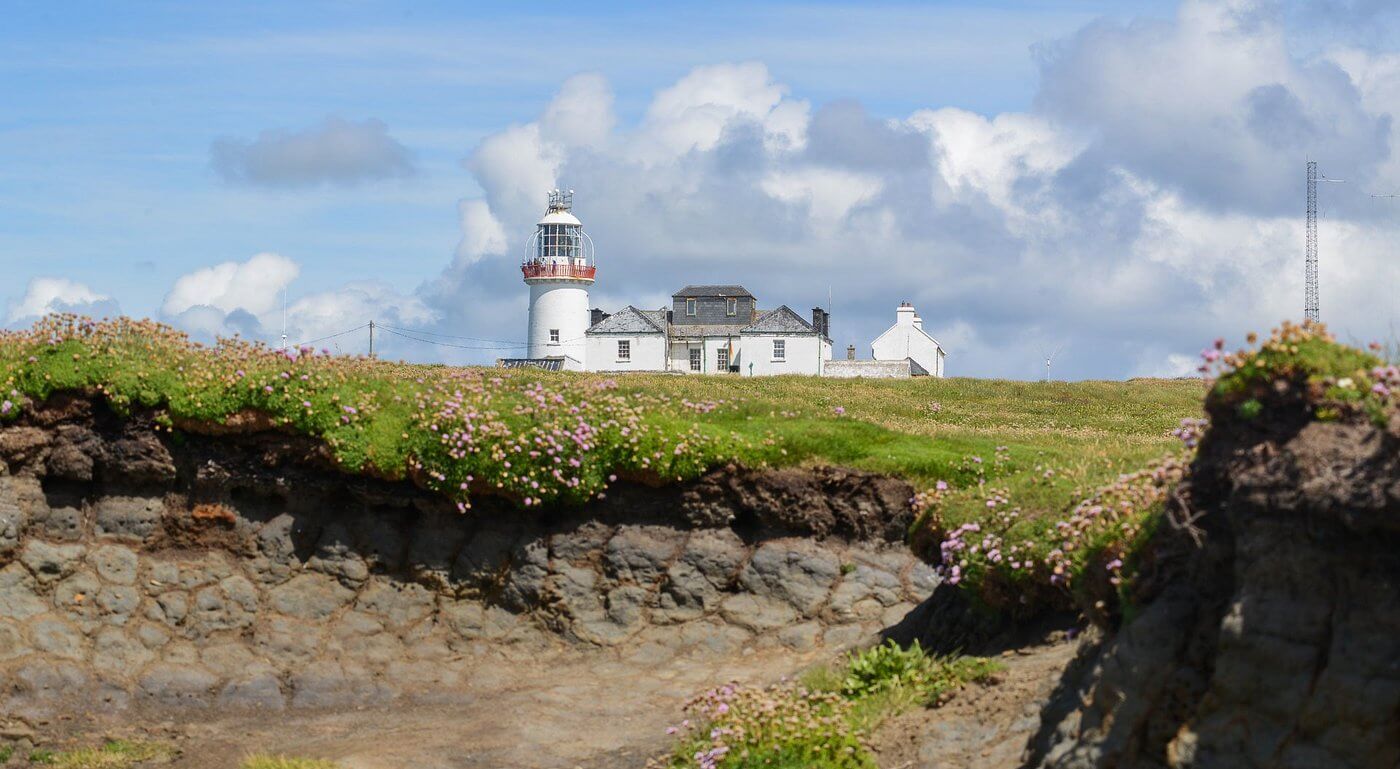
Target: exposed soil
{"x": 985, "y": 725}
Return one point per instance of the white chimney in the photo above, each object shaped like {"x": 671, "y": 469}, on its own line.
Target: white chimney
{"x": 905, "y": 315}
{"x": 918, "y": 322}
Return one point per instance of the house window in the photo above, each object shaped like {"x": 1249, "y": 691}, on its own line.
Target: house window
{"x": 624, "y": 349}
{"x": 690, "y": 307}
{"x": 732, "y": 307}
{"x": 722, "y": 359}
{"x": 695, "y": 359}
{"x": 779, "y": 349}
{"x": 554, "y": 336}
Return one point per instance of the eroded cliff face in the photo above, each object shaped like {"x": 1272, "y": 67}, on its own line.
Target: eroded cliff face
{"x": 1275, "y": 642}
{"x": 145, "y": 569}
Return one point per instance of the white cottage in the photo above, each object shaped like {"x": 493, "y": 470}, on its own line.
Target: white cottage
{"x": 908, "y": 339}
{"x": 710, "y": 330}
{"x": 628, "y": 340}
{"x": 782, "y": 342}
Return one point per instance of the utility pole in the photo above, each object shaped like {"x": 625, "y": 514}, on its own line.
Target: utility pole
{"x": 371, "y": 339}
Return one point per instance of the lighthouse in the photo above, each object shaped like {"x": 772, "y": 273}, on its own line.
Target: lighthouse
{"x": 558, "y": 267}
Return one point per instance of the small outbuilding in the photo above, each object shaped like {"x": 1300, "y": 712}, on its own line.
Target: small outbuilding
{"x": 907, "y": 339}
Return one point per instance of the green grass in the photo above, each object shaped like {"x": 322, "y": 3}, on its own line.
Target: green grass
{"x": 399, "y": 420}
{"x": 114, "y": 754}
{"x": 283, "y": 762}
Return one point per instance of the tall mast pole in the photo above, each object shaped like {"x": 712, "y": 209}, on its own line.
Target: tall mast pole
{"x": 1310, "y": 305}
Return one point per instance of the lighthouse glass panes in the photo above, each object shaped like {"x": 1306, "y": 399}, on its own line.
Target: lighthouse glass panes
{"x": 559, "y": 242}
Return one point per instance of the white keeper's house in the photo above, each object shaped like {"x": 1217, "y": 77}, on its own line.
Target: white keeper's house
{"x": 707, "y": 329}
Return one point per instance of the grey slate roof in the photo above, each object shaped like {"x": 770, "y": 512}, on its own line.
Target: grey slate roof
{"x": 695, "y": 331}
{"x": 780, "y": 321}
{"x": 630, "y": 320}
{"x": 657, "y": 317}
{"x": 713, "y": 291}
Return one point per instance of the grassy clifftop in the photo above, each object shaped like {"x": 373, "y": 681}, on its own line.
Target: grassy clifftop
{"x": 539, "y": 437}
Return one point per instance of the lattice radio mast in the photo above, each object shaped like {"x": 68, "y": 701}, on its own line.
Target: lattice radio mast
{"x": 1310, "y": 309}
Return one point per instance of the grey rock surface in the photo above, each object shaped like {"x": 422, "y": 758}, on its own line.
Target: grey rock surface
{"x": 1275, "y": 643}
{"x": 239, "y": 574}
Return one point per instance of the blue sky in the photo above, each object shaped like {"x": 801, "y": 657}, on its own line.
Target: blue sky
{"x": 112, "y": 117}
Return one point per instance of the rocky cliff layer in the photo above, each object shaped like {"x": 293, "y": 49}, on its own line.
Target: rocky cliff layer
{"x": 144, "y": 568}
{"x": 1269, "y": 628}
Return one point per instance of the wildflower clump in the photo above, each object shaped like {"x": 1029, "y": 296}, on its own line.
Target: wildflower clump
{"x": 821, "y": 722}
{"x": 1300, "y": 365}
{"x": 460, "y": 431}
{"x": 1025, "y": 565}
{"x": 781, "y": 725}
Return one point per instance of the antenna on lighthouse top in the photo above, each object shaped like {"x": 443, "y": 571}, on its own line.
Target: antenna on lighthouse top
{"x": 561, "y": 200}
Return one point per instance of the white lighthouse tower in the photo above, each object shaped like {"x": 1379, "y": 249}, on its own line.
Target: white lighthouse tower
{"x": 559, "y": 268}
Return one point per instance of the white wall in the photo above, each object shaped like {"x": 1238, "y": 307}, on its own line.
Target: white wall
{"x": 563, "y": 305}
{"x": 867, "y": 369}
{"x": 680, "y": 353}
{"x": 805, "y": 355}
{"x": 648, "y": 352}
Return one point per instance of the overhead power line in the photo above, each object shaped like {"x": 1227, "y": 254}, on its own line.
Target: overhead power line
{"x": 333, "y": 336}
{"x": 449, "y": 336}
{"x": 452, "y": 345}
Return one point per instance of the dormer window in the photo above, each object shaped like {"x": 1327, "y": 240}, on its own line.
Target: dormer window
{"x": 690, "y": 307}
{"x": 731, "y": 307}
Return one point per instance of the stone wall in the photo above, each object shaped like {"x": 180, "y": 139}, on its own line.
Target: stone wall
{"x": 873, "y": 369}
{"x": 144, "y": 570}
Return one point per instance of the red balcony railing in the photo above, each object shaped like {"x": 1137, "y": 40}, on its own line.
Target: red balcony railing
{"x": 555, "y": 270}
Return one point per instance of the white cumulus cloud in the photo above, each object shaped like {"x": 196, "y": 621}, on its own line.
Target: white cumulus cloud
{"x": 47, "y": 295}
{"x": 254, "y": 286}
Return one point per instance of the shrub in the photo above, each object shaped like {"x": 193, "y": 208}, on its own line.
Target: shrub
{"x": 889, "y": 668}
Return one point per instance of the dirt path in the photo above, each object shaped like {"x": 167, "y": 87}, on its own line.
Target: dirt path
{"x": 606, "y": 710}
{"x": 592, "y": 710}
{"x": 984, "y": 726}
